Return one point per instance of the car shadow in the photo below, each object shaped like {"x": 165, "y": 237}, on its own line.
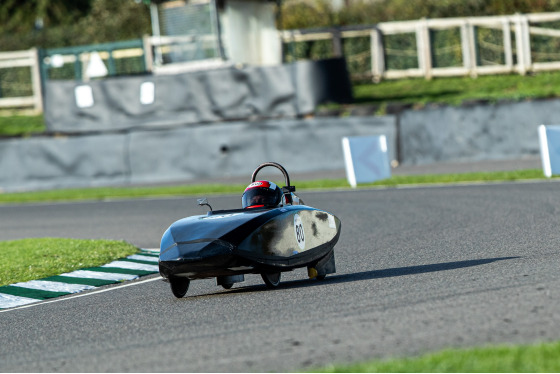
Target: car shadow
{"x": 373, "y": 274}
{"x": 413, "y": 270}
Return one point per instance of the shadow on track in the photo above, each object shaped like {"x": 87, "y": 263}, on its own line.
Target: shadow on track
{"x": 412, "y": 270}
{"x": 373, "y": 274}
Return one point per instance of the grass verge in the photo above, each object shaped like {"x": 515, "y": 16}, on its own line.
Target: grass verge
{"x": 213, "y": 189}
{"x": 20, "y": 124}
{"x": 457, "y": 90}
{"x": 29, "y": 259}
{"x": 539, "y": 358}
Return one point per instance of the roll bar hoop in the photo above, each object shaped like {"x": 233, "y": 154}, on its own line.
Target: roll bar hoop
{"x": 287, "y": 187}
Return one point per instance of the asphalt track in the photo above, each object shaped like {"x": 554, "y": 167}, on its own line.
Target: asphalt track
{"x": 419, "y": 270}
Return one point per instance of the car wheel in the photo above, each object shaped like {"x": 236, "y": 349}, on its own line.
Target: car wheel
{"x": 179, "y": 286}
{"x": 227, "y": 286}
{"x": 272, "y": 280}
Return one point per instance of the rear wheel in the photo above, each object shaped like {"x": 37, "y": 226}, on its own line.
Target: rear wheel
{"x": 179, "y": 286}
{"x": 227, "y": 286}
{"x": 272, "y": 280}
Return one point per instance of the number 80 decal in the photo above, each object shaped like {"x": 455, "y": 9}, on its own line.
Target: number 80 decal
{"x": 300, "y": 234}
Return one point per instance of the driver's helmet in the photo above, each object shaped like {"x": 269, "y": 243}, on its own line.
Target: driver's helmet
{"x": 261, "y": 194}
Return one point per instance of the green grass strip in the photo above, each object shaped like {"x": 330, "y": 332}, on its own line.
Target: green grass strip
{"x": 102, "y": 193}
{"x": 21, "y": 125}
{"x": 31, "y": 259}
{"x": 457, "y": 90}
{"x": 213, "y": 189}
{"x": 539, "y": 358}
{"x": 473, "y": 177}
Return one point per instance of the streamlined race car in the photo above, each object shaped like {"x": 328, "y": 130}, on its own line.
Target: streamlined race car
{"x": 274, "y": 232}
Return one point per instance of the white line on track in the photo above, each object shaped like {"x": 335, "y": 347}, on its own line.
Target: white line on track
{"x": 43, "y": 302}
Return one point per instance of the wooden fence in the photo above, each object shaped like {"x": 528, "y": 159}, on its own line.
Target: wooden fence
{"x": 519, "y": 43}
{"x": 516, "y": 47}
{"x": 18, "y": 59}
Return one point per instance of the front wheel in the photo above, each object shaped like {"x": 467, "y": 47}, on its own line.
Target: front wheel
{"x": 272, "y": 280}
{"x": 179, "y": 286}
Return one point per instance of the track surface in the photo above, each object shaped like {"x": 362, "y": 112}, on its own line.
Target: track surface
{"x": 419, "y": 270}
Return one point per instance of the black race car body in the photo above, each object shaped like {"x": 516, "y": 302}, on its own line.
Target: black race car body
{"x": 229, "y": 243}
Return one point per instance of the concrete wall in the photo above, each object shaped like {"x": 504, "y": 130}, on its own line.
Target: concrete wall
{"x": 189, "y": 152}
{"x": 470, "y": 133}
{"x": 207, "y": 96}
{"x": 182, "y": 153}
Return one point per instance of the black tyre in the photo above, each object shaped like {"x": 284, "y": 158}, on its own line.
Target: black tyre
{"x": 272, "y": 280}
{"x": 179, "y": 286}
{"x": 227, "y": 286}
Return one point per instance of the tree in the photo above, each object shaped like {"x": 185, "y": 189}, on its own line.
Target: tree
{"x": 60, "y": 23}
{"x": 20, "y": 16}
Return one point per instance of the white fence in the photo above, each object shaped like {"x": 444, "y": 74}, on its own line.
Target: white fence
{"x": 9, "y": 63}
{"x": 518, "y": 43}
{"x": 516, "y": 47}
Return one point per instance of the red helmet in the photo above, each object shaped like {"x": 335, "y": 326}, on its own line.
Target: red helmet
{"x": 261, "y": 194}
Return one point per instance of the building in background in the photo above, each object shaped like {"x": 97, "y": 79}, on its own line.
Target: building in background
{"x": 203, "y": 34}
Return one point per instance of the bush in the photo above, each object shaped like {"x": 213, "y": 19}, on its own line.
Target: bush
{"x": 298, "y": 14}
{"x": 98, "y": 21}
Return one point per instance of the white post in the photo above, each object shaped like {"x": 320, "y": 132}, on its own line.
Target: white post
{"x": 424, "y": 49}
{"x": 148, "y": 56}
{"x": 526, "y": 42}
{"x": 377, "y": 55}
{"x": 545, "y": 153}
{"x": 465, "y": 46}
{"x": 519, "y": 44}
{"x": 468, "y": 44}
{"x": 36, "y": 80}
{"x": 508, "y": 51}
{"x": 156, "y": 32}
